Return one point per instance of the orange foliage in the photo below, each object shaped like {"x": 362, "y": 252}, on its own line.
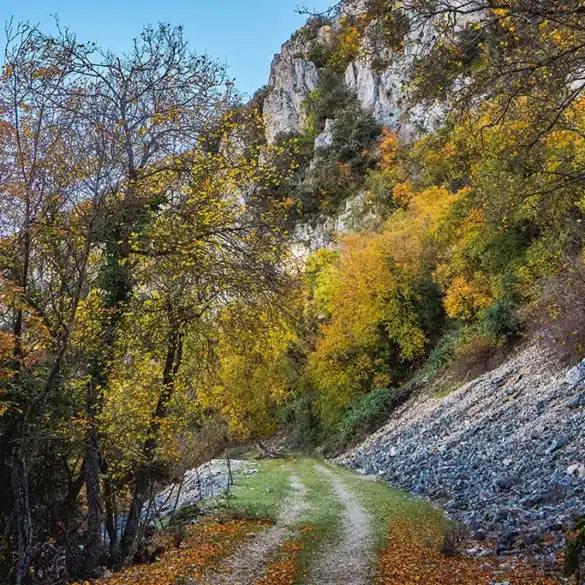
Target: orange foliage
{"x": 207, "y": 544}
{"x": 412, "y": 557}
{"x": 402, "y": 194}
{"x": 388, "y": 149}
{"x": 283, "y": 570}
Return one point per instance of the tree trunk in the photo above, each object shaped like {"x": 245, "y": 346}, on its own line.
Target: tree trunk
{"x": 22, "y": 515}
{"x": 111, "y": 523}
{"x": 143, "y": 476}
{"x": 93, "y": 550}
{"x": 116, "y": 297}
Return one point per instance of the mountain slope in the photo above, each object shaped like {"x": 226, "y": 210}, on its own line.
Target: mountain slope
{"x": 504, "y": 453}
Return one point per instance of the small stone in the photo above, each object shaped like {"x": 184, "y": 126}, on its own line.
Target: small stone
{"x": 576, "y": 470}
{"x": 505, "y": 482}
{"x": 576, "y": 402}
{"x": 556, "y": 446}
{"x": 576, "y": 375}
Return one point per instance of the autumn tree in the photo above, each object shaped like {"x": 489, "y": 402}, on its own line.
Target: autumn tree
{"x": 128, "y": 220}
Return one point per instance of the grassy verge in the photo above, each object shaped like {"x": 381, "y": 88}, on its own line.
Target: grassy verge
{"x": 385, "y": 505}
{"x": 322, "y": 521}
{"x": 261, "y": 495}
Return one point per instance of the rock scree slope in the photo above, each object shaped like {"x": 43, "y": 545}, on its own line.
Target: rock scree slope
{"x": 505, "y": 453}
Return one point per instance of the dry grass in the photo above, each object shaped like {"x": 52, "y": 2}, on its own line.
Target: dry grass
{"x": 557, "y": 318}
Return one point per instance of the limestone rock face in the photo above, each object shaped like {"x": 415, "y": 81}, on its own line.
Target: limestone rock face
{"x": 292, "y": 78}
{"x": 308, "y": 238}
{"x": 375, "y": 79}
{"x": 377, "y": 92}
{"x": 325, "y": 139}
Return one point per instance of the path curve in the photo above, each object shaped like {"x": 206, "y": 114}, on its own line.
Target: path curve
{"x": 348, "y": 561}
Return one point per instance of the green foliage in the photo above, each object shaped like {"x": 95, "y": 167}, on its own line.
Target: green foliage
{"x": 363, "y": 416}
{"x": 500, "y": 319}
{"x": 301, "y": 421}
{"x": 445, "y": 349}
{"x": 330, "y": 97}
{"x": 353, "y": 134}
{"x": 342, "y": 166}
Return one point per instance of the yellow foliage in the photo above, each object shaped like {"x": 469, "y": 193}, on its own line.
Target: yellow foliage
{"x": 371, "y": 299}
{"x": 251, "y": 380}
{"x": 389, "y": 145}
{"x": 463, "y": 298}
{"x": 402, "y": 194}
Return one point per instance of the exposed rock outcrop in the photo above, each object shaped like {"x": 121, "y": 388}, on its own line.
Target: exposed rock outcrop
{"x": 377, "y": 87}
{"x": 310, "y": 237}
{"x": 292, "y": 78}
{"x": 505, "y": 453}
{"x": 375, "y": 79}
{"x": 206, "y": 481}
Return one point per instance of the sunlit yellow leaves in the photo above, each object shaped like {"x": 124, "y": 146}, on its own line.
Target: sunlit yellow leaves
{"x": 251, "y": 381}
{"x": 464, "y": 299}
{"x": 402, "y": 194}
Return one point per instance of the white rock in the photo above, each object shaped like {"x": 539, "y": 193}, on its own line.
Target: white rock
{"x": 576, "y": 469}
{"x": 292, "y": 79}
{"x": 576, "y": 375}
{"x": 376, "y": 92}
{"x": 325, "y": 139}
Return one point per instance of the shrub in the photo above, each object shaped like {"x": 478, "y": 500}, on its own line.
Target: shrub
{"x": 301, "y": 421}
{"x": 445, "y": 350}
{"x": 454, "y": 536}
{"x": 362, "y": 417}
{"x": 500, "y": 319}
{"x": 185, "y": 515}
{"x": 575, "y": 551}
{"x": 342, "y": 166}
{"x": 353, "y": 134}
{"x": 325, "y": 101}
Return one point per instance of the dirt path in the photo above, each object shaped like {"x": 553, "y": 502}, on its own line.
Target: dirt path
{"x": 251, "y": 559}
{"x": 348, "y": 561}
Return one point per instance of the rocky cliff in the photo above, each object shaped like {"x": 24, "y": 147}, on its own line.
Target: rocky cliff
{"x": 374, "y": 78}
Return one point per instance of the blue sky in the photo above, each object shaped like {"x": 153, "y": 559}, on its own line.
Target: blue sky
{"x": 244, "y": 34}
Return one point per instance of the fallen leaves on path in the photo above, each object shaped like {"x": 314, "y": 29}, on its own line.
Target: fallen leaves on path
{"x": 284, "y": 569}
{"x": 207, "y": 544}
{"x": 412, "y": 557}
